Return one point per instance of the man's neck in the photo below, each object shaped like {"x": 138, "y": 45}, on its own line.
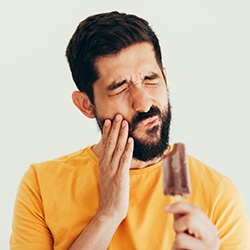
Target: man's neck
{"x": 135, "y": 164}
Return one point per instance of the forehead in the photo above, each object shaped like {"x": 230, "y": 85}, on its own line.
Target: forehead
{"x": 131, "y": 64}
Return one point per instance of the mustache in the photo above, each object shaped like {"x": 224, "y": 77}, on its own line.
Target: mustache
{"x": 140, "y": 116}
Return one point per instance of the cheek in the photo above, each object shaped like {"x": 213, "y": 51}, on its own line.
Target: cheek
{"x": 108, "y": 109}
{"x": 104, "y": 111}
{"x": 161, "y": 96}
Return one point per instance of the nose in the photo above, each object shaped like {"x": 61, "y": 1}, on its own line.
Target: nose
{"x": 141, "y": 101}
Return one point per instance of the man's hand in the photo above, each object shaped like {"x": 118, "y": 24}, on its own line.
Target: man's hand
{"x": 114, "y": 165}
{"x": 193, "y": 228}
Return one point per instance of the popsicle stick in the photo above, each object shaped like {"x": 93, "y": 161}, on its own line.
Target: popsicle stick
{"x": 177, "y": 198}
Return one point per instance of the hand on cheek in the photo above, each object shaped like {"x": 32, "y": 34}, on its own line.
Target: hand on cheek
{"x": 114, "y": 165}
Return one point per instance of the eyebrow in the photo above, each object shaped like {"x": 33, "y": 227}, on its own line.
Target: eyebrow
{"x": 152, "y": 76}
{"x": 116, "y": 85}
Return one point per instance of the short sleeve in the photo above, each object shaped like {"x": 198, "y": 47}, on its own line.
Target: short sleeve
{"x": 29, "y": 229}
{"x": 230, "y": 217}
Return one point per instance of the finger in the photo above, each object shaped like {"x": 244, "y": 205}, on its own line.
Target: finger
{"x": 193, "y": 219}
{"x": 190, "y": 224}
{"x": 180, "y": 226}
{"x": 126, "y": 157}
{"x": 181, "y": 208}
{"x": 185, "y": 241}
{"x": 121, "y": 143}
{"x": 105, "y": 134}
{"x": 112, "y": 139}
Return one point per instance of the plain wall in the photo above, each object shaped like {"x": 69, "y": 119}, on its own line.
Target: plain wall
{"x": 206, "y": 52}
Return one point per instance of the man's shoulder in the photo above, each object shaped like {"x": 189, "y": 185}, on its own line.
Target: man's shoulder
{"x": 68, "y": 161}
{"x": 201, "y": 170}
{"x": 207, "y": 179}
{"x": 209, "y": 185}
{"x": 205, "y": 176}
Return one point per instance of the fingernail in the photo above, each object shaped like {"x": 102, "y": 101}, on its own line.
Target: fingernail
{"x": 123, "y": 124}
{"x": 118, "y": 117}
{"x": 130, "y": 139}
{"x": 107, "y": 122}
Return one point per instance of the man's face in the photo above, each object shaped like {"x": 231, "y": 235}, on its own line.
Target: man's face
{"x": 132, "y": 84}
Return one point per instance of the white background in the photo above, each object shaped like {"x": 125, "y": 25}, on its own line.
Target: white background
{"x": 206, "y": 52}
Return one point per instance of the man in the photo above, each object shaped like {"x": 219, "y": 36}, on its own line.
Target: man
{"x": 109, "y": 195}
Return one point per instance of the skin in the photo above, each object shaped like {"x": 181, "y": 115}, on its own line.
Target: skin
{"x": 136, "y": 95}
{"x": 193, "y": 228}
{"x": 133, "y": 69}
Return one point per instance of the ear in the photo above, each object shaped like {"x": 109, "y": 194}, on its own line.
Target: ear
{"x": 82, "y": 102}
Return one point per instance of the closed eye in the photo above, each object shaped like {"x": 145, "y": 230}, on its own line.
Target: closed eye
{"x": 151, "y": 83}
{"x": 119, "y": 92}
{"x": 151, "y": 79}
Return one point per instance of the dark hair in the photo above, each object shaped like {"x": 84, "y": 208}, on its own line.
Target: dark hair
{"x": 105, "y": 34}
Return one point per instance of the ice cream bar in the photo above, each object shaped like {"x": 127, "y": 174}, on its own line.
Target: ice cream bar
{"x": 176, "y": 180}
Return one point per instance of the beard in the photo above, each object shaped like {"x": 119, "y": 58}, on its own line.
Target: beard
{"x": 156, "y": 139}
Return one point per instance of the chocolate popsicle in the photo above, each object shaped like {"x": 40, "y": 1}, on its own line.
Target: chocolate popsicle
{"x": 176, "y": 180}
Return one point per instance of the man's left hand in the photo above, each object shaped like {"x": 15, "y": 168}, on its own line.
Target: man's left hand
{"x": 193, "y": 228}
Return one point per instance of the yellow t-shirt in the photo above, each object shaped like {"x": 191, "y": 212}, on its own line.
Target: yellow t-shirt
{"x": 58, "y": 198}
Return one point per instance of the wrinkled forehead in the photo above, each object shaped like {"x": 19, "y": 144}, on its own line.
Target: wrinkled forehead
{"x": 132, "y": 64}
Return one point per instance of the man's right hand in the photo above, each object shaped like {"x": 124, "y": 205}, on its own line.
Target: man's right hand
{"x": 114, "y": 165}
